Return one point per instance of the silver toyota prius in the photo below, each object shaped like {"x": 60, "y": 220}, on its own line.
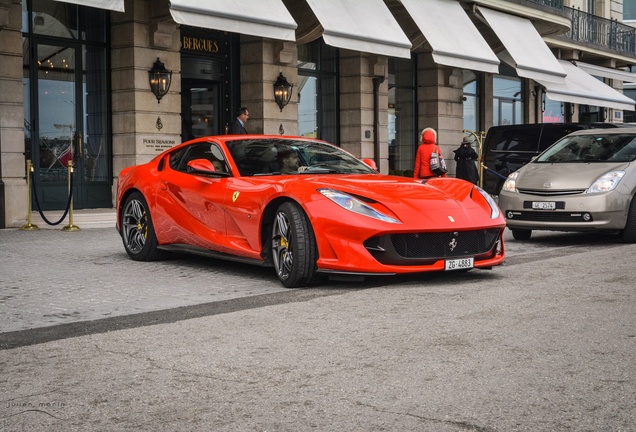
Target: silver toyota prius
{"x": 584, "y": 182}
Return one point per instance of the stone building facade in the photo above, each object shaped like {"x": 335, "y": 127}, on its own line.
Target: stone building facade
{"x": 74, "y": 80}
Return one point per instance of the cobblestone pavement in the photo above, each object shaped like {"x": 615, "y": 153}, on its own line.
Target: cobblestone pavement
{"x": 51, "y": 277}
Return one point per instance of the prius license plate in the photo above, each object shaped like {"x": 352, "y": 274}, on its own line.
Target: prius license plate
{"x": 542, "y": 205}
{"x": 459, "y": 264}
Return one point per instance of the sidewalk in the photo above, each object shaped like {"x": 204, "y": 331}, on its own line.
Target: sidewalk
{"x": 87, "y": 218}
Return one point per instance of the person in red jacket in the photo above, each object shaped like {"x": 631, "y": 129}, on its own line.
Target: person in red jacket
{"x": 422, "y": 168}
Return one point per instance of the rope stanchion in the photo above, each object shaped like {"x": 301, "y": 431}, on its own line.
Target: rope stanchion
{"x": 70, "y": 226}
{"x": 70, "y": 197}
{"x": 29, "y": 226}
{"x": 494, "y": 172}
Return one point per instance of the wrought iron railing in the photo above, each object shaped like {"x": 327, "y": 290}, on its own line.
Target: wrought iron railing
{"x": 602, "y": 32}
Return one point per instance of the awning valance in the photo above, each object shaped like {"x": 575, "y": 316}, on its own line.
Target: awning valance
{"x": 525, "y": 49}
{"x": 582, "y": 88}
{"x": 264, "y": 18}
{"x": 114, "y": 5}
{"x": 604, "y": 72}
{"x": 361, "y": 25}
{"x": 454, "y": 39}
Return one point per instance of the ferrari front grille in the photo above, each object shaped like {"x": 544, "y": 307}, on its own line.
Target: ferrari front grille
{"x": 428, "y": 247}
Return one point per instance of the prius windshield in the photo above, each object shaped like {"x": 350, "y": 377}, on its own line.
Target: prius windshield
{"x": 591, "y": 148}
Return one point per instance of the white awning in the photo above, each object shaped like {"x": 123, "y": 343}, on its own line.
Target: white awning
{"x": 361, "y": 25}
{"x": 114, "y": 5}
{"x": 604, "y": 72}
{"x": 453, "y": 37}
{"x": 582, "y": 88}
{"x": 264, "y": 18}
{"x": 525, "y": 49}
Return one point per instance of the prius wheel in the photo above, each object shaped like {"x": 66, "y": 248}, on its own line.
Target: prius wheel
{"x": 137, "y": 231}
{"x": 629, "y": 233}
{"x": 521, "y": 234}
{"x": 294, "y": 250}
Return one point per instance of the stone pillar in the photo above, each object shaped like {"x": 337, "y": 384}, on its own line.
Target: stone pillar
{"x": 440, "y": 93}
{"x": 13, "y": 188}
{"x": 357, "y": 114}
{"x": 142, "y": 127}
{"x": 262, "y": 60}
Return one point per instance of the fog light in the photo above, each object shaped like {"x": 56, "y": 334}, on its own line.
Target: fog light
{"x": 510, "y": 214}
{"x": 587, "y": 217}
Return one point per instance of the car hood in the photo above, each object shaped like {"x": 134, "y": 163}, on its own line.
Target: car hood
{"x": 441, "y": 202}
{"x": 393, "y": 189}
{"x": 563, "y": 176}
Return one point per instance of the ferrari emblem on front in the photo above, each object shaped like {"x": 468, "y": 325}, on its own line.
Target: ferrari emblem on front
{"x": 235, "y": 196}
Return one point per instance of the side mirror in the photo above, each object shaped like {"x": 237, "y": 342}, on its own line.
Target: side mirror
{"x": 200, "y": 166}
{"x": 371, "y": 163}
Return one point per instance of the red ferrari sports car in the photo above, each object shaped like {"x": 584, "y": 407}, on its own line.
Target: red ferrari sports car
{"x": 305, "y": 207}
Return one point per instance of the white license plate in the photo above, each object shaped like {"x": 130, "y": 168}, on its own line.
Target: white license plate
{"x": 459, "y": 264}
{"x": 540, "y": 205}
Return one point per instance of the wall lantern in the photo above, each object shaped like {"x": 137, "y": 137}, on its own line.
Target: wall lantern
{"x": 160, "y": 79}
{"x": 282, "y": 91}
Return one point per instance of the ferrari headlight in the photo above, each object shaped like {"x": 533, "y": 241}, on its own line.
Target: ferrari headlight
{"x": 510, "y": 185}
{"x": 353, "y": 204}
{"x": 494, "y": 208}
{"x": 606, "y": 182}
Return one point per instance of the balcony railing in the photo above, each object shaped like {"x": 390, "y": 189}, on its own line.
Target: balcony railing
{"x": 601, "y": 32}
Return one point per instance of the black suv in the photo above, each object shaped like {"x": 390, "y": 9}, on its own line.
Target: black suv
{"x": 508, "y": 148}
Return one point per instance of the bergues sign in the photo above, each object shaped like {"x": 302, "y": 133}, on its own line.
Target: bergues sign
{"x": 199, "y": 45}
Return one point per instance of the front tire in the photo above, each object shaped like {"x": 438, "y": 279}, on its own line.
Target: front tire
{"x": 137, "y": 230}
{"x": 628, "y": 235}
{"x": 294, "y": 250}
{"x": 521, "y": 234}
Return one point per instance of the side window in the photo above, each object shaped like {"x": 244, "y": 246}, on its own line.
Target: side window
{"x": 179, "y": 160}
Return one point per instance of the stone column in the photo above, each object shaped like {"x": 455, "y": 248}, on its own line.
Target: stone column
{"x": 440, "y": 104}
{"x": 142, "y": 127}
{"x": 13, "y": 188}
{"x": 262, "y": 60}
{"x": 357, "y": 114}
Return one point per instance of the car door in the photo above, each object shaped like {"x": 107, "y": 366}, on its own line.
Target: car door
{"x": 193, "y": 203}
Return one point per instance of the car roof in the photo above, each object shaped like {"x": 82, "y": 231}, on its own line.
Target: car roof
{"x": 616, "y": 131}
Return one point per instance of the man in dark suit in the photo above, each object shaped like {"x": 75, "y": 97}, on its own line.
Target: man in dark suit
{"x": 238, "y": 124}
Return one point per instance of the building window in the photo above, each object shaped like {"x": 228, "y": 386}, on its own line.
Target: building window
{"x": 318, "y": 91}
{"x": 553, "y": 111}
{"x": 471, "y": 101}
{"x": 402, "y": 116}
{"x": 67, "y": 102}
{"x": 507, "y": 100}
{"x": 629, "y": 10}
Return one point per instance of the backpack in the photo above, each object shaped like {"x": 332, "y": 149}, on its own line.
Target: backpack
{"x": 438, "y": 164}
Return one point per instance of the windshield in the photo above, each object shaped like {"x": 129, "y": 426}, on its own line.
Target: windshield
{"x": 285, "y": 156}
{"x": 592, "y": 148}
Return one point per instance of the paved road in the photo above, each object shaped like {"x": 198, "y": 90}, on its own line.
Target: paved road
{"x": 91, "y": 340}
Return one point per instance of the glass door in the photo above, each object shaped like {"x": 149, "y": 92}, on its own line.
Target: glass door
{"x": 70, "y": 124}
{"x": 200, "y": 109}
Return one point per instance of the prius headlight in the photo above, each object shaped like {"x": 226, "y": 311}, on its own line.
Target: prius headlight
{"x": 494, "y": 208}
{"x": 353, "y": 204}
{"x": 510, "y": 185}
{"x": 606, "y": 182}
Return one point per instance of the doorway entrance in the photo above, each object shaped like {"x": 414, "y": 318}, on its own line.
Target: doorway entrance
{"x": 67, "y": 110}
{"x": 201, "y": 112}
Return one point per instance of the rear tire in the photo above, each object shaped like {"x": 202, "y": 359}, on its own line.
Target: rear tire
{"x": 137, "y": 230}
{"x": 628, "y": 235}
{"x": 294, "y": 250}
{"x": 521, "y": 234}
